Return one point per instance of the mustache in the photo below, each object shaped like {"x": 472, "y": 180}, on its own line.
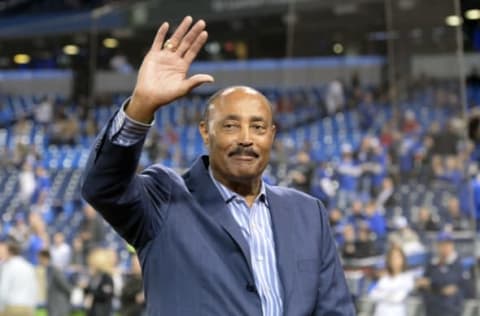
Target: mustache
{"x": 243, "y": 151}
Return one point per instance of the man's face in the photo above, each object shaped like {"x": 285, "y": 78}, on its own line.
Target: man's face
{"x": 445, "y": 249}
{"x": 239, "y": 134}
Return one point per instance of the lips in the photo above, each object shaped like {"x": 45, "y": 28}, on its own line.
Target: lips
{"x": 243, "y": 157}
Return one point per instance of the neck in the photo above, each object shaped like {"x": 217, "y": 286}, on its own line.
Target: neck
{"x": 248, "y": 189}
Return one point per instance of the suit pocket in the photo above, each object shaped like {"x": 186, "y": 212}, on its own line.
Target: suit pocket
{"x": 308, "y": 265}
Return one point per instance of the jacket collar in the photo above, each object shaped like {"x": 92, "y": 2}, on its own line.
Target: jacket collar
{"x": 202, "y": 187}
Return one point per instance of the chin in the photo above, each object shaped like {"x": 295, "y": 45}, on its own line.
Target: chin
{"x": 244, "y": 174}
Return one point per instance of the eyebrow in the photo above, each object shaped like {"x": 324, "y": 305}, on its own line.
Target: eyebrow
{"x": 238, "y": 118}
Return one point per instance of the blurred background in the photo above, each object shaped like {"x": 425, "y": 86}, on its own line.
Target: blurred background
{"x": 376, "y": 105}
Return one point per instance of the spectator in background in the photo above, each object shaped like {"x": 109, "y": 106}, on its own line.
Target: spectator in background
{"x": 373, "y": 163}
{"x": 43, "y": 207}
{"x": 358, "y": 245}
{"x": 357, "y": 215}
{"x": 445, "y": 142}
{"x": 337, "y": 223}
{"x": 38, "y": 238}
{"x": 365, "y": 244}
{"x": 92, "y": 229}
{"x": 99, "y": 292}
{"x": 349, "y": 239}
{"x": 405, "y": 237}
{"x": 452, "y": 173}
{"x": 323, "y": 186}
{"x": 367, "y": 111}
{"x": 392, "y": 289}
{"x": 442, "y": 281}
{"x": 133, "y": 297}
{"x": 334, "y": 97}
{"x": 43, "y": 112}
{"x": 18, "y": 284}
{"x": 22, "y": 129}
{"x": 426, "y": 222}
{"x": 388, "y": 134}
{"x": 27, "y": 183}
{"x": 78, "y": 254}
{"x": 410, "y": 124}
{"x": 60, "y": 252}
{"x": 385, "y": 198}
{"x": 376, "y": 222}
{"x": 20, "y": 232}
{"x": 58, "y": 287}
{"x": 422, "y": 160}
{"x": 64, "y": 130}
{"x": 17, "y": 155}
{"x": 348, "y": 172}
{"x": 456, "y": 219}
{"x": 301, "y": 173}
{"x": 405, "y": 153}
{"x": 43, "y": 183}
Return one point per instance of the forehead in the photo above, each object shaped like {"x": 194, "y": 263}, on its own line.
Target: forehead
{"x": 241, "y": 102}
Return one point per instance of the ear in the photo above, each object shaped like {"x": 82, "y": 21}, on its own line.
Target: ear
{"x": 274, "y": 132}
{"x": 203, "y": 129}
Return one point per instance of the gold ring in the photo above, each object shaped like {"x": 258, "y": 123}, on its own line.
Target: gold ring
{"x": 169, "y": 45}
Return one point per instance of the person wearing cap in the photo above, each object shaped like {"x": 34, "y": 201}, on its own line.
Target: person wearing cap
{"x": 441, "y": 284}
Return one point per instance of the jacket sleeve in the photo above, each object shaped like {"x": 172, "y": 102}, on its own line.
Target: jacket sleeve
{"x": 134, "y": 204}
{"x": 334, "y": 298}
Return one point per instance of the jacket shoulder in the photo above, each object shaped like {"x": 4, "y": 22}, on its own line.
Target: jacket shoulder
{"x": 162, "y": 174}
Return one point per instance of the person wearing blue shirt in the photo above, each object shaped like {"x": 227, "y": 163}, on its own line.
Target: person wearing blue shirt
{"x": 348, "y": 172}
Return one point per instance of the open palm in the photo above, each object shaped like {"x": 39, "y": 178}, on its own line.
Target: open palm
{"x": 162, "y": 77}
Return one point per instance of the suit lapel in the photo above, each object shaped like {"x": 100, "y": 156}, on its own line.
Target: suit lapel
{"x": 206, "y": 193}
{"x": 280, "y": 212}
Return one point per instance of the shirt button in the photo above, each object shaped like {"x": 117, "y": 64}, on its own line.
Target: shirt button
{"x": 260, "y": 258}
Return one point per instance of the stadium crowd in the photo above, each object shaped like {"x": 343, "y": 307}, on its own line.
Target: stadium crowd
{"x": 395, "y": 178}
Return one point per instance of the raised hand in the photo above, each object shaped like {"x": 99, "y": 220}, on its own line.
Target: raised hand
{"x": 162, "y": 77}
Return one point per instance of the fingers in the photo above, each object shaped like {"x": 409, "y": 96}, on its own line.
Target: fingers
{"x": 191, "y": 36}
{"x": 181, "y": 30}
{"x": 196, "y": 80}
{"x": 197, "y": 45}
{"x": 160, "y": 37}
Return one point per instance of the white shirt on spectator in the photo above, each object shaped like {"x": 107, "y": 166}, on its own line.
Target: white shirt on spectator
{"x": 44, "y": 112}
{"x": 18, "y": 283}
{"x": 27, "y": 184}
{"x": 61, "y": 255}
{"x": 390, "y": 294}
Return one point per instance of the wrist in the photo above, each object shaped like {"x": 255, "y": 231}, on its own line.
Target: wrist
{"x": 138, "y": 110}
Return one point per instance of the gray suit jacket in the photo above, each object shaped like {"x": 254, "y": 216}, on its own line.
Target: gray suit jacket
{"x": 58, "y": 293}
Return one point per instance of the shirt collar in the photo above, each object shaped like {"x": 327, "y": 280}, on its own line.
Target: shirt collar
{"x": 228, "y": 195}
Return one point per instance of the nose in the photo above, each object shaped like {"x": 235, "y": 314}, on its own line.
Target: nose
{"x": 245, "y": 137}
